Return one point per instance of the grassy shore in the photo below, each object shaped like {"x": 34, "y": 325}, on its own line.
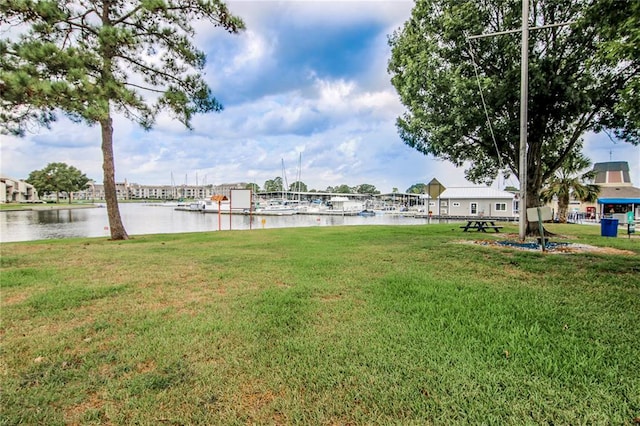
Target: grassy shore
{"x": 326, "y": 325}
{"x": 43, "y": 206}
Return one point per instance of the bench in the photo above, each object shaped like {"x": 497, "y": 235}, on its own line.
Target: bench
{"x": 480, "y": 226}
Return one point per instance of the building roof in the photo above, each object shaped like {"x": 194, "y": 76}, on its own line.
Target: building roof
{"x": 475, "y": 193}
{"x": 619, "y": 195}
{"x": 611, "y": 166}
{"x": 612, "y": 172}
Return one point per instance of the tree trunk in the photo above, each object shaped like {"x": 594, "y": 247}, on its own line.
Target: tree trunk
{"x": 563, "y": 209}
{"x": 533, "y": 200}
{"x": 110, "y": 194}
{"x": 534, "y": 185}
{"x": 533, "y": 229}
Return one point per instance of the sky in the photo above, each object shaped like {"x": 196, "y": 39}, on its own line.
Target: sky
{"x": 305, "y": 85}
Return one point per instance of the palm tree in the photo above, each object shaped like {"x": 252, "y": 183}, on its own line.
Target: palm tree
{"x": 569, "y": 182}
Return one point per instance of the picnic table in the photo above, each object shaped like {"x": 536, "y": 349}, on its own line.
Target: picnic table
{"x": 481, "y": 226}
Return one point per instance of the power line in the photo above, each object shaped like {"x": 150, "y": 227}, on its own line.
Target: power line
{"x": 484, "y": 104}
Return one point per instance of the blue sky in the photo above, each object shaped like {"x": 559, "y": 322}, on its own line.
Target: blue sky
{"x": 307, "y": 78}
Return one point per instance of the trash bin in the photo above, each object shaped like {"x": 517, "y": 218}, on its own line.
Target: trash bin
{"x": 608, "y": 227}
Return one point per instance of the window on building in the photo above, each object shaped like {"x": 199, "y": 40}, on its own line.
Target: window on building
{"x": 501, "y": 207}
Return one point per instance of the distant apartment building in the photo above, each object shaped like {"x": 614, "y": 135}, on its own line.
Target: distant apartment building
{"x": 95, "y": 191}
{"x": 135, "y": 191}
{"x": 151, "y": 192}
{"x": 17, "y": 191}
{"x": 225, "y": 188}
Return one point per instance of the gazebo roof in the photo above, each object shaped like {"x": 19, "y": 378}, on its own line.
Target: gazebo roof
{"x": 612, "y": 173}
{"x": 619, "y": 195}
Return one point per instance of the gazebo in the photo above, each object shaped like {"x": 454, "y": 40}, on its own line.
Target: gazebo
{"x": 619, "y": 200}
{"x": 617, "y": 194}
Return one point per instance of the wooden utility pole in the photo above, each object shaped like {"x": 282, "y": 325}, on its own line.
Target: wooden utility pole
{"x": 524, "y": 99}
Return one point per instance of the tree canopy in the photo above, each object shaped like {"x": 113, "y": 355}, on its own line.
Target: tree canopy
{"x": 253, "y": 187}
{"x": 582, "y": 78}
{"x": 343, "y": 189}
{"x": 92, "y": 59}
{"x": 56, "y": 178}
{"x": 366, "y": 188}
{"x": 298, "y": 186}
{"x": 417, "y": 188}
{"x": 274, "y": 185}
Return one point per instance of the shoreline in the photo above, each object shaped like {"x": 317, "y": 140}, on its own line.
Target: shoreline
{"x": 40, "y": 207}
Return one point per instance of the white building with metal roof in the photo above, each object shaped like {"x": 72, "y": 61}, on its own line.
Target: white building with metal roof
{"x": 476, "y": 201}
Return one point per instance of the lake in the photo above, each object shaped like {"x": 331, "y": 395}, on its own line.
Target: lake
{"x": 141, "y": 218}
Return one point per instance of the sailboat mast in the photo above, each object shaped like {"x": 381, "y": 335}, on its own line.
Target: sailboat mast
{"x": 174, "y": 193}
{"x": 285, "y": 184}
{"x": 299, "y": 175}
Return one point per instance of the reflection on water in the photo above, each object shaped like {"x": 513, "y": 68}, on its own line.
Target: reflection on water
{"x": 61, "y": 216}
{"x": 141, "y": 219}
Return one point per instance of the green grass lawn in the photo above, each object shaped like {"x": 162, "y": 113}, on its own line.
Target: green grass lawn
{"x": 327, "y": 325}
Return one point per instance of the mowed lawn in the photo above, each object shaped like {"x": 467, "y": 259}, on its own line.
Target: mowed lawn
{"x": 326, "y": 325}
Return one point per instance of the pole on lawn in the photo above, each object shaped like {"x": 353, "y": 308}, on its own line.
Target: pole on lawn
{"x": 524, "y": 80}
{"x": 524, "y": 98}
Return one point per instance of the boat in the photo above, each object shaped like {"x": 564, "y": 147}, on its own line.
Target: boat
{"x": 344, "y": 206}
{"x": 278, "y": 207}
{"x": 215, "y": 204}
{"x": 313, "y": 207}
{"x": 169, "y": 204}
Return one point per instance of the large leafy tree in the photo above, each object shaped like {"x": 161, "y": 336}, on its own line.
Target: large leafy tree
{"x": 274, "y": 185}
{"x": 56, "y": 178}
{"x": 571, "y": 180}
{"x": 253, "y": 187}
{"x": 417, "y": 188}
{"x": 343, "y": 189}
{"x": 618, "y": 23}
{"x": 92, "y": 59}
{"x": 581, "y": 79}
{"x": 298, "y": 186}
{"x": 366, "y": 188}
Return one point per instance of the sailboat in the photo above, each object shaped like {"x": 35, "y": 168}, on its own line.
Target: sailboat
{"x": 280, "y": 206}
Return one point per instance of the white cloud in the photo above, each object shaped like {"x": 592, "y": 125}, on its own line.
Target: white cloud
{"x": 349, "y": 148}
{"x": 253, "y": 50}
{"x": 343, "y": 12}
{"x": 339, "y": 113}
{"x": 333, "y": 94}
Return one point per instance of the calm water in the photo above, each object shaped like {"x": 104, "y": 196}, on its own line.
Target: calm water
{"x": 152, "y": 219}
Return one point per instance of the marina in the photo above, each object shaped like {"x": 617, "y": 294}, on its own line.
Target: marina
{"x": 166, "y": 218}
